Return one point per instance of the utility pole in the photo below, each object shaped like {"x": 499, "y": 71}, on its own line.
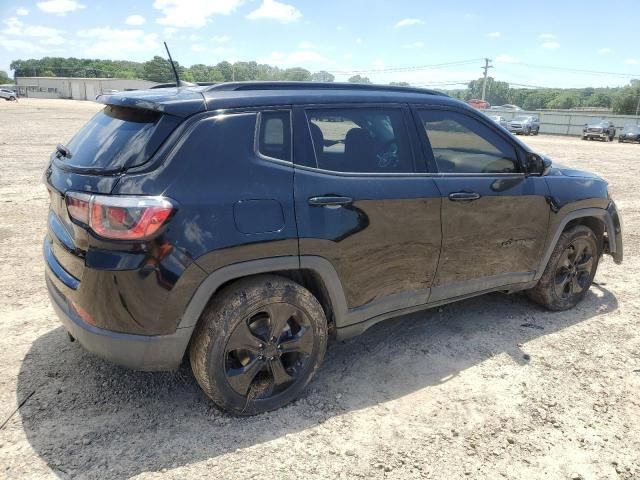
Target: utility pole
{"x": 486, "y": 68}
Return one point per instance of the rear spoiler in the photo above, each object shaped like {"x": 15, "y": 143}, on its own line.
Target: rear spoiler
{"x": 180, "y": 102}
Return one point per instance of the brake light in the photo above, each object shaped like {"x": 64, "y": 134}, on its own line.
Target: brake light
{"x": 119, "y": 217}
{"x": 78, "y": 206}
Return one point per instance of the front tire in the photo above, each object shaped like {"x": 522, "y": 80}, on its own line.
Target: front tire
{"x": 570, "y": 270}
{"x": 258, "y": 344}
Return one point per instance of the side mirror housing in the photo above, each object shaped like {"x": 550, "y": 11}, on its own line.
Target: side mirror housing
{"x": 538, "y": 164}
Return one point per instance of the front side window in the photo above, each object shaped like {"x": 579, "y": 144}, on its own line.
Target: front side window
{"x": 462, "y": 144}
{"x": 361, "y": 140}
{"x": 274, "y": 137}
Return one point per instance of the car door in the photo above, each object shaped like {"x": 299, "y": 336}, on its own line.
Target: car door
{"x": 494, "y": 216}
{"x": 365, "y": 203}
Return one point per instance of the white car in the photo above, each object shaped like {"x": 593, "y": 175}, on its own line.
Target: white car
{"x": 8, "y": 95}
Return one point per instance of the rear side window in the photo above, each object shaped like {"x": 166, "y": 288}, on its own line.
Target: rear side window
{"x": 361, "y": 140}
{"x": 274, "y": 137}
{"x": 117, "y": 138}
{"x": 462, "y": 144}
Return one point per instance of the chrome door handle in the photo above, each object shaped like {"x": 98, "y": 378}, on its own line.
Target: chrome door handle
{"x": 464, "y": 196}
{"x": 330, "y": 201}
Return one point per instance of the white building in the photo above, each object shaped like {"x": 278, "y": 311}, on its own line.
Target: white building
{"x": 75, "y": 88}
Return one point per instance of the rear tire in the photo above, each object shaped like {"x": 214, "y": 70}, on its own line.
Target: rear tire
{"x": 570, "y": 270}
{"x": 258, "y": 344}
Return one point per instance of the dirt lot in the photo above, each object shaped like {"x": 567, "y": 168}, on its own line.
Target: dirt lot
{"x": 492, "y": 387}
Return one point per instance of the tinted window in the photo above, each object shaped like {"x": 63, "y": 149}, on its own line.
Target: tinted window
{"x": 462, "y": 144}
{"x": 364, "y": 140}
{"x": 275, "y": 135}
{"x": 118, "y": 137}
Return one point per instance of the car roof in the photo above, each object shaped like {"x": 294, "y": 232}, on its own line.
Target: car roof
{"x": 184, "y": 101}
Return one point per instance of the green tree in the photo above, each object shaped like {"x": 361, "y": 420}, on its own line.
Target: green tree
{"x": 625, "y": 102}
{"x": 322, "y": 76}
{"x": 4, "y": 78}
{"x": 400, "y": 84}
{"x": 158, "y": 70}
{"x": 564, "y": 101}
{"x": 359, "y": 79}
{"x": 497, "y": 93}
{"x": 297, "y": 75}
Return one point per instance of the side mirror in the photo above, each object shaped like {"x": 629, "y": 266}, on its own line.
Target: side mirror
{"x": 538, "y": 164}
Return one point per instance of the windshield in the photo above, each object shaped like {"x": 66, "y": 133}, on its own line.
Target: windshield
{"x": 117, "y": 138}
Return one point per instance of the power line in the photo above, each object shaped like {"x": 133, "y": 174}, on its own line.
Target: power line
{"x": 405, "y": 69}
{"x": 576, "y": 70}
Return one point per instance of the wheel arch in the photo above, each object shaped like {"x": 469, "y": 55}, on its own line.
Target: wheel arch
{"x": 598, "y": 220}
{"x": 314, "y": 273}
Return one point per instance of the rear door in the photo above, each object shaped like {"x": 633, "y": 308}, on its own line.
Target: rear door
{"x": 366, "y": 205}
{"x": 494, "y": 216}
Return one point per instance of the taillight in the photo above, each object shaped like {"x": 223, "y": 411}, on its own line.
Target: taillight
{"x": 119, "y": 217}
{"x": 78, "y": 206}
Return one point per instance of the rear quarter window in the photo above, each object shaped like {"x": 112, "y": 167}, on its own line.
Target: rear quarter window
{"x": 117, "y": 138}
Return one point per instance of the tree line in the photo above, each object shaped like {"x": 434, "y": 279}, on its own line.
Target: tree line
{"x": 621, "y": 100}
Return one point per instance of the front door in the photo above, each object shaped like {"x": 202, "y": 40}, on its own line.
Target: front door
{"x": 494, "y": 216}
{"x": 364, "y": 204}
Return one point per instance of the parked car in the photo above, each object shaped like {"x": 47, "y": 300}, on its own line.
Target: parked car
{"x": 198, "y": 238}
{"x": 500, "y": 120}
{"x": 507, "y": 106}
{"x": 8, "y": 95}
{"x": 602, "y": 129}
{"x": 631, "y": 133}
{"x": 479, "y": 104}
{"x": 525, "y": 125}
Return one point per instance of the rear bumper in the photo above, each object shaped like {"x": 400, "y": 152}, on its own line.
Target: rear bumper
{"x": 139, "y": 352}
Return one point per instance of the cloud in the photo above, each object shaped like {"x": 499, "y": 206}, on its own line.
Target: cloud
{"x": 507, "y": 59}
{"x": 546, "y": 36}
{"x": 494, "y": 34}
{"x": 220, "y": 38}
{"x": 414, "y": 45}
{"x": 22, "y": 11}
{"x": 60, "y": 7}
{"x": 13, "y": 45}
{"x": 347, "y": 56}
{"x": 198, "y": 47}
{"x": 110, "y": 42}
{"x": 14, "y": 26}
{"x": 169, "y": 32}
{"x": 359, "y": 41}
{"x": 306, "y": 45}
{"x": 273, "y": 10}
{"x": 378, "y": 63}
{"x": 135, "y": 20}
{"x": 604, "y": 51}
{"x": 405, "y": 22}
{"x": 550, "y": 45}
{"x": 296, "y": 58}
{"x": 631, "y": 61}
{"x": 193, "y": 13}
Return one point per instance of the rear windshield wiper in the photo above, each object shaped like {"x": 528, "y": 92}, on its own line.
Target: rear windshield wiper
{"x": 64, "y": 151}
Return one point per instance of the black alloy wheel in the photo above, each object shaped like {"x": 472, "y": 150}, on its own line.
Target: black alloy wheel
{"x": 258, "y": 344}
{"x": 266, "y": 352}
{"x": 573, "y": 272}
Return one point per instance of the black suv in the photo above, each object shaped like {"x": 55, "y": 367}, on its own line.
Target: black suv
{"x": 247, "y": 224}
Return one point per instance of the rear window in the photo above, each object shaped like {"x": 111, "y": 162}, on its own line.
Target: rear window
{"x": 117, "y": 138}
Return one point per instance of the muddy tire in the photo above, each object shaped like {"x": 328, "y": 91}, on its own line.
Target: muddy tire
{"x": 258, "y": 344}
{"x": 570, "y": 270}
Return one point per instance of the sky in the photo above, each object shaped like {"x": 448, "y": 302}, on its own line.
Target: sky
{"x": 428, "y": 43}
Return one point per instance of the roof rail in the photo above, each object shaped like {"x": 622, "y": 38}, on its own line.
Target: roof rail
{"x": 284, "y": 85}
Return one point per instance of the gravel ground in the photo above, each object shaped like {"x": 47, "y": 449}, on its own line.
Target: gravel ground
{"x": 492, "y": 387}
